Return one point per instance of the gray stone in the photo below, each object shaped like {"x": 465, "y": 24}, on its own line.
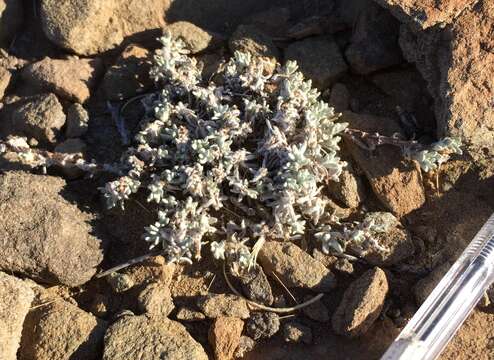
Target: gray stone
{"x": 11, "y": 19}
{"x": 72, "y": 79}
{"x": 295, "y": 267}
{"x": 349, "y": 189}
{"x": 120, "y": 282}
{"x": 195, "y": 38}
{"x": 66, "y": 22}
{"x": 339, "y": 98}
{"x": 129, "y": 76}
{"x": 43, "y": 235}
{"x": 61, "y": 331}
{"x": 156, "y": 299}
{"x": 374, "y": 44}
{"x": 186, "y": 314}
{"x": 262, "y": 325}
{"x": 77, "y": 121}
{"x": 294, "y": 332}
{"x": 15, "y": 301}
{"x": 40, "y": 117}
{"x": 319, "y": 59}
{"x": 361, "y": 304}
{"x": 216, "y": 305}
{"x": 256, "y": 287}
{"x": 150, "y": 338}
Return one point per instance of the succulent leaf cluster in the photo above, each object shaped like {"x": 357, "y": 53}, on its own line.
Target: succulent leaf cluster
{"x": 239, "y": 160}
{"x": 437, "y": 153}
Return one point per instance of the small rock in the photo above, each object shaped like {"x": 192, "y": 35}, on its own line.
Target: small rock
{"x": 316, "y": 311}
{"x": 262, "y": 325}
{"x": 150, "y": 338}
{"x": 71, "y": 146}
{"x": 61, "y": 331}
{"x": 294, "y": 332}
{"x": 319, "y": 59}
{"x": 397, "y": 182}
{"x": 40, "y": 117}
{"x": 209, "y": 64}
{"x": 60, "y": 248}
{"x": 73, "y": 79}
{"x": 66, "y": 22}
{"x": 343, "y": 266}
{"x": 340, "y": 97}
{"x": 15, "y": 301}
{"x": 374, "y": 44}
{"x": 216, "y": 305}
{"x": 349, "y": 189}
{"x": 422, "y": 15}
{"x": 295, "y": 267}
{"x": 195, "y": 38}
{"x": 5, "y": 76}
{"x": 120, "y": 282}
{"x": 361, "y": 304}
{"x": 186, "y": 314}
{"x": 256, "y": 287}
{"x": 245, "y": 345}
{"x": 424, "y": 287}
{"x": 10, "y": 62}
{"x": 152, "y": 270}
{"x": 11, "y": 19}
{"x": 77, "y": 121}
{"x": 224, "y": 336}
{"x": 156, "y": 299}
{"x": 396, "y": 240}
{"x": 249, "y": 39}
{"x": 129, "y": 76}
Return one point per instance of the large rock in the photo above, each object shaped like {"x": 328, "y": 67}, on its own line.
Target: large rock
{"x": 11, "y": 19}
{"x": 457, "y": 62}
{"x": 295, "y": 267}
{"x": 40, "y": 117}
{"x": 61, "y": 331}
{"x": 361, "y": 304}
{"x": 374, "y": 44}
{"x": 15, "y": 301}
{"x": 72, "y": 79}
{"x": 88, "y": 27}
{"x": 129, "y": 76}
{"x": 422, "y": 14}
{"x": 43, "y": 235}
{"x": 319, "y": 59}
{"x": 247, "y": 38}
{"x": 140, "y": 337}
{"x": 397, "y": 182}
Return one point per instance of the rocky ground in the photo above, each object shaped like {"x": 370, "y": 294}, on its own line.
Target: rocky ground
{"x": 67, "y": 67}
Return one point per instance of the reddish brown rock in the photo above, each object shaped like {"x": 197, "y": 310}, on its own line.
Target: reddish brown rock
{"x": 72, "y": 79}
{"x": 457, "y": 62}
{"x": 422, "y": 14}
{"x": 361, "y": 304}
{"x": 396, "y": 181}
{"x": 224, "y": 336}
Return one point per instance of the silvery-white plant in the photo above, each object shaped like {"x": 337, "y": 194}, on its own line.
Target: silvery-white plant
{"x": 238, "y": 161}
